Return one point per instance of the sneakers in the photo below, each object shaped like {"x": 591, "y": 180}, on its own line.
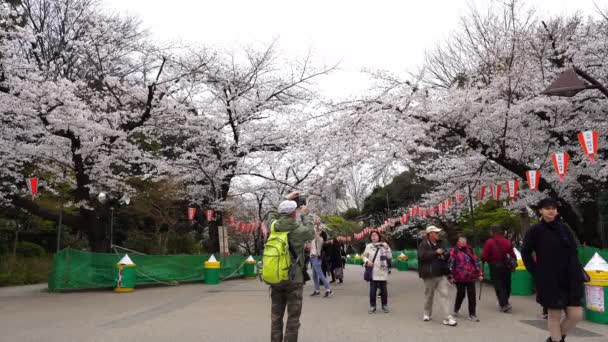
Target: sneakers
{"x": 371, "y": 310}
{"x": 473, "y": 318}
{"x": 328, "y": 293}
{"x": 450, "y": 321}
{"x": 385, "y": 309}
{"x": 506, "y": 308}
{"x": 316, "y": 293}
{"x": 426, "y": 318}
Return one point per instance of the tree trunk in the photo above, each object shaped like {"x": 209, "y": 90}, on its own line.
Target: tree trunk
{"x": 524, "y": 223}
{"x": 95, "y": 227}
{"x": 16, "y": 239}
{"x": 588, "y": 227}
{"x": 214, "y": 237}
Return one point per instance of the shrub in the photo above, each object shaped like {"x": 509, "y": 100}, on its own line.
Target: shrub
{"x": 28, "y": 250}
{"x": 24, "y": 271}
{"x": 182, "y": 243}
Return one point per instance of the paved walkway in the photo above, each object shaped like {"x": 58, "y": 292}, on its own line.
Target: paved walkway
{"x": 239, "y": 310}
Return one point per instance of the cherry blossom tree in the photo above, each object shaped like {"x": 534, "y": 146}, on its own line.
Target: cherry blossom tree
{"x": 476, "y": 115}
{"x": 79, "y": 88}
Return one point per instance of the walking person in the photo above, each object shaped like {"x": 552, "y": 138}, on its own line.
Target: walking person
{"x": 557, "y": 273}
{"x": 289, "y": 297}
{"x": 377, "y": 256}
{"x": 466, "y": 271}
{"x": 433, "y": 269}
{"x": 335, "y": 260}
{"x": 316, "y": 263}
{"x": 496, "y": 251}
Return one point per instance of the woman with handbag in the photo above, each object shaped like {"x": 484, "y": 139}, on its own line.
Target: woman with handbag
{"x": 557, "y": 273}
{"x": 377, "y": 261}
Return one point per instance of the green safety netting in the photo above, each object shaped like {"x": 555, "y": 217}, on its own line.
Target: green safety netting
{"x": 75, "y": 269}
{"x": 585, "y": 254}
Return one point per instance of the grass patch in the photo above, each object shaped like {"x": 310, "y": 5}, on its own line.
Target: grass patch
{"x": 24, "y": 270}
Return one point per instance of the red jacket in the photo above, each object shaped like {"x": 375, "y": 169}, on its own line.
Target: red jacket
{"x": 490, "y": 251}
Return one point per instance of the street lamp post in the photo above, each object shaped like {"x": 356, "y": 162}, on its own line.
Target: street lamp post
{"x": 111, "y": 228}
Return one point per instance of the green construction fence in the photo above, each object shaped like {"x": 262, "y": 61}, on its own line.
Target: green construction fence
{"x": 74, "y": 269}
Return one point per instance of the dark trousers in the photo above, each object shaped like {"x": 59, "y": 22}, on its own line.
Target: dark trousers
{"x": 374, "y": 286}
{"x": 501, "y": 277}
{"x": 282, "y": 297}
{"x": 468, "y": 289}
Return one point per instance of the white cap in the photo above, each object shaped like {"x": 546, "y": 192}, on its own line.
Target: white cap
{"x": 432, "y": 229}
{"x": 250, "y": 258}
{"x": 287, "y": 207}
{"x": 212, "y": 258}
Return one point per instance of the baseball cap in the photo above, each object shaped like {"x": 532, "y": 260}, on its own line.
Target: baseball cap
{"x": 432, "y": 229}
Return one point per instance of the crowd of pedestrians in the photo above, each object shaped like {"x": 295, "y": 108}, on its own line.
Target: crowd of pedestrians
{"x": 548, "y": 252}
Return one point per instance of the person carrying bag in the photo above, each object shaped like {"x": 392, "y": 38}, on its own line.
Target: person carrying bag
{"x": 377, "y": 270}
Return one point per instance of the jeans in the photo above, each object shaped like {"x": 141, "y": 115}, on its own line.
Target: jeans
{"x": 374, "y": 285}
{"x": 317, "y": 273}
{"x": 440, "y": 286}
{"x": 469, "y": 287}
{"x": 501, "y": 277}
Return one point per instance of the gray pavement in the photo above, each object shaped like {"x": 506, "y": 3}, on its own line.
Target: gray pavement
{"x": 239, "y": 310}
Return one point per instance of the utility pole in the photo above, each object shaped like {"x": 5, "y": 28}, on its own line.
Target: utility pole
{"x": 472, "y": 216}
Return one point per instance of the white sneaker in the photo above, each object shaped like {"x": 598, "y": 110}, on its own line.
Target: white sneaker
{"x": 450, "y": 321}
{"x": 426, "y": 318}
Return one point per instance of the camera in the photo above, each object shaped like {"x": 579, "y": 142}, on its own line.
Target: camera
{"x": 301, "y": 200}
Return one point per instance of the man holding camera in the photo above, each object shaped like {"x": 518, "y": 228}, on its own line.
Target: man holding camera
{"x": 292, "y": 217}
{"x": 433, "y": 269}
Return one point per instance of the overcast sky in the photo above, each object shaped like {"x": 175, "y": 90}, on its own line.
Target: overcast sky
{"x": 379, "y": 34}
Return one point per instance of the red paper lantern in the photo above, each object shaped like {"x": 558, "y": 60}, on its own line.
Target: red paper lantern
{"x": 533, "y": 178}
{"x": 588, "y": 140}
{"x": 209, "y": 213}
{"x": 512, "y": 187}
{"x": 560, "y": 162}
{"x": 191, "y": 213}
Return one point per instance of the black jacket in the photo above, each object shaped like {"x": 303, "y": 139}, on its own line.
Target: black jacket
{"x": 556, "y": 270}
{"x": 334, "y": 254}
{"x": 430, "y": 264}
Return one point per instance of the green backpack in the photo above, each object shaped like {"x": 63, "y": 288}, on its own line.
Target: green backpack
{"x": 276, "y": 260}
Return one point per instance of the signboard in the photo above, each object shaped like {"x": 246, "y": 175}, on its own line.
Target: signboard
{"x": 223, "y": 237}
{"x": 594, "y": 298}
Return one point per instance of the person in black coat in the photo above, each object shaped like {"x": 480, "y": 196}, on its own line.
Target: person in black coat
{"x": 557, "y": 273}
{"x": 334, "y": 254}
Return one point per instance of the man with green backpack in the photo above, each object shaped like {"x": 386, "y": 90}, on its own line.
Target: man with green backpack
{"x": 283, "y": 265}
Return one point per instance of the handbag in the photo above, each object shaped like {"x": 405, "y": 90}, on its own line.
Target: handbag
{"x": 367, "y": 275}
{"x": 509, "y": 262}
{"x": 586, "y": 277}
{"x": 339, "y": 273}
